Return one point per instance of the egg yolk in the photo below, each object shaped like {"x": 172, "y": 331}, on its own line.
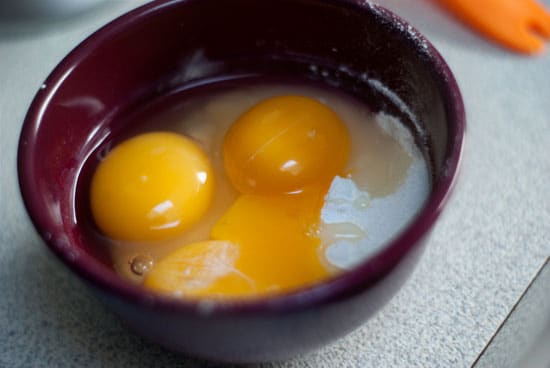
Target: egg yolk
{"x": 284, "y": 144}
{"x": 281, "y": 156}
{"x": 278, "y": 239}
{"x": 200, "y": 269}
{"x": 273, "y": 247}
{"x": 151, "y": 187}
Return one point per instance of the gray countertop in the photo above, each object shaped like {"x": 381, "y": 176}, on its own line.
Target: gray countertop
{"x": 482, "y": 255}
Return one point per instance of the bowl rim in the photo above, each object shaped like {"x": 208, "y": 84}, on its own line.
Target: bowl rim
{"x": 340, "y": 287}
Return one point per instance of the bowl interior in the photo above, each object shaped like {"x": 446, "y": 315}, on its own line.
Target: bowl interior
{"x": 167, "y": 45}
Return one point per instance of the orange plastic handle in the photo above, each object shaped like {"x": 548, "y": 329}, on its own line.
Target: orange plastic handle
{"x": 521, "y": 25}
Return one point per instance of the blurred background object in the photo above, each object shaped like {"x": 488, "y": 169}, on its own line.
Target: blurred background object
{"x": 24, "y": 17}
{"x": 23, "y": 10}
{"x": 520, "y": 25}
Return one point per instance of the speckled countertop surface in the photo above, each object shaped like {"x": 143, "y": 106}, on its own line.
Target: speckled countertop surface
{"x": 483, "y": 253}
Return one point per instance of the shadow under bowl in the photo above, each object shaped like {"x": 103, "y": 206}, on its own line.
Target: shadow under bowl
{"x": 162, "y": 46}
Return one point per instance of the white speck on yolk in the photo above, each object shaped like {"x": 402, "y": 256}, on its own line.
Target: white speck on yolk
{"x": 291, "y": 166}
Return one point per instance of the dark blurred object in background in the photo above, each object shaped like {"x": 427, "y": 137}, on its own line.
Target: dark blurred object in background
{"x": 35, "y": 10}
{"x": 24, "y": 17}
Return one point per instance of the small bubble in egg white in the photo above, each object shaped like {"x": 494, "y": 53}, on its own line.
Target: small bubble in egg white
{"x": 141, "y": 264}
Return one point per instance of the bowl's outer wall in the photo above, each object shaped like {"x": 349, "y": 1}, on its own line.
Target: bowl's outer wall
{"x": 168, "y": 43}
{"x": 259, "y": 336}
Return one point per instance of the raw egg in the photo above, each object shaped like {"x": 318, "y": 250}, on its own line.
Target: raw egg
{"x": 262, "y": 245}
{"x": 281, "y": 155}
{"x": 278, "y": 239}
{"x": 308, "y": 183}
{"x": 284, "y": 144}
{"x": 151, "y": 187}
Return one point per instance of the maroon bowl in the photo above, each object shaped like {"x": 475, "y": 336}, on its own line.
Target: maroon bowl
{"x": 168, "y": 45}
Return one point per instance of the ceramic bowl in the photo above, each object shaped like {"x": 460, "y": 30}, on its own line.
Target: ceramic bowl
{"x": 358, "y": 46}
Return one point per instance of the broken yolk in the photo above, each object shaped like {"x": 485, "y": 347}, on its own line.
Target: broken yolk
{"x": 277, "y": 236}
{"x": 200, "y": 269}
{"x": 263, "y": 245}
{"x": 284, "y": 144}
{"x": 282, "y": 156}
{"x": 151, "y": 187}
